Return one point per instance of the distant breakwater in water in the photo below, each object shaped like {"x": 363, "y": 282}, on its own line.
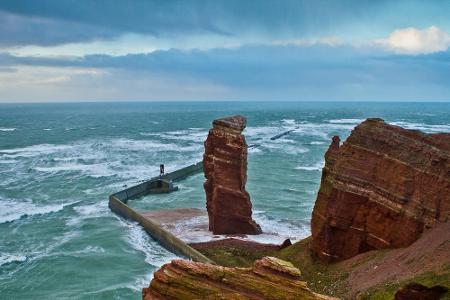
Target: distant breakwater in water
{"x": 59, "y": 163}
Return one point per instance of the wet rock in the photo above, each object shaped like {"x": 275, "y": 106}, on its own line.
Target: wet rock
{"x": 225, "y": 166}
{"x": 269, "y": 278}
{"x": 380, "y": 189}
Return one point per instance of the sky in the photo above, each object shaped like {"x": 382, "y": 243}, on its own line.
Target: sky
{"x": 280, "y": 50}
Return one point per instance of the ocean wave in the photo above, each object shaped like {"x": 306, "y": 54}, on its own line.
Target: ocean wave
{"x": 346, "y": 121}
{"x": 288, "y": 121}
{"x": 284, "y": 148}
{"x": 88, "y": 211}
{"x": 195, "y": 230}
{"x": 316, "y": 143}
{"x": 8, "y": 161}
{"x": 146, "y": 145}
{"x": 15, "y": 210}
{"x": 277, "y": 230}
{"x": 139, "y": 240}
{"x": 11, "y": 258}
{"x": 35, "y": 150}
{"x": 428, "y": 128}
{"x": 7, "y": 129}
{"x": 316, "y": 167}
{"x": 92, "y": 170}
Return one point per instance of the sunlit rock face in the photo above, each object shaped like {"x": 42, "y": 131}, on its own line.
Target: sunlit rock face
{"x": 269, "y": 278}
{"x": 380, "y": 189}
{"x": 225, "y": 166}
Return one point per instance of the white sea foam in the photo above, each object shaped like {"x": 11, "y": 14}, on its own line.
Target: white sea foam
{"x": 8, "y": 161}
{"x": 317, "y": 143}
{"x": 197, "y": 135}
{"x": 316, "y": 167}
{"x": 195, "y": 230}
{"x": 14, "y": 210}
{"x": 288, "y": 121}
{"x": 284, "y": 148}
{"x": 34, "y": 150}
{"x": 261, "y": 131}
{"x": 47, "y": 129}
{"x": 138, "y": 239}
{"x": 346, "y": 121}
{"x": 92, "y": 170}
{"x": 7, "y": 129}
{"x": 11, "y": 258}
{"x": 275, "y": 231}
{"x": 146, "y": 145}
{"x": 428, "y": 128}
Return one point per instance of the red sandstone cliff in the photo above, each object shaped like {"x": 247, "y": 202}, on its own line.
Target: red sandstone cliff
{"x": 380, "y": 189}
{"x": 269, "y": 278}
{"x": 225, "y": 166}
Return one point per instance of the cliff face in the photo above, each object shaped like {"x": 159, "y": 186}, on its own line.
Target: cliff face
{"x": 269, "y": 278}
{"x": 225, "y": 166}
{"x": 380, "y": 189}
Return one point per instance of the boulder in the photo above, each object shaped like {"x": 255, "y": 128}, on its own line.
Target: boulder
{"x": 225, "y": 166}
{"x": 269, "y": 278}
{"x": 380, "y": 189}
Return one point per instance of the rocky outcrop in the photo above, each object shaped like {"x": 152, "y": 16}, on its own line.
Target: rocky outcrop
{"x": 415, "y": 291}
{"x": 269, "y": 278}
{"x": 225, "y": 166}
{"x": 380, "y": 189}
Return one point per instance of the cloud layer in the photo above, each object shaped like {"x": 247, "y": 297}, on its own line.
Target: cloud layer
{"x": 415, "y": 41}
{"x": 57, "y": 50}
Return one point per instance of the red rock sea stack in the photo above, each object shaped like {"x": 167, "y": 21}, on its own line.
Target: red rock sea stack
{"x": 381, "y": 189}
{"x": 225, "y": 166}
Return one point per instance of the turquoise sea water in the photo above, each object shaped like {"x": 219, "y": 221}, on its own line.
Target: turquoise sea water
{"x": 59, "y": 163}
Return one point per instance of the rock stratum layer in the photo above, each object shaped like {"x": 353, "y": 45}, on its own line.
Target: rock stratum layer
{"x": 269, "y": 278}
{"x": 380, "y": 189}
{"x": 225, "y": 166}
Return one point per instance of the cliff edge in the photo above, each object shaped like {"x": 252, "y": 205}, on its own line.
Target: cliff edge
{"x": 380, "y": 189}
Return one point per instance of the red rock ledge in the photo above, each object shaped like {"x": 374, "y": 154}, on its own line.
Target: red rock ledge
{"x": 225, "y": 166}
{"x": 380, "y": 189}
{"x": 269, "y": 278}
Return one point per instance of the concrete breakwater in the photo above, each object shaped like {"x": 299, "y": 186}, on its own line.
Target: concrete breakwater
{"x": 118, "y": 204}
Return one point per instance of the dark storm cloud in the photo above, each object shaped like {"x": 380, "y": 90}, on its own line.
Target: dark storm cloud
{"x": 278, "y": 68}
{"x": 50, "y": 22}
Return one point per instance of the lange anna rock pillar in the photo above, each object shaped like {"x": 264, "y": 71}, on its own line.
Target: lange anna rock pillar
{"x": 225, "y": 165}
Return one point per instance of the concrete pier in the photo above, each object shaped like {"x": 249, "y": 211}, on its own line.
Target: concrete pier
{"x": 118, "y": 204}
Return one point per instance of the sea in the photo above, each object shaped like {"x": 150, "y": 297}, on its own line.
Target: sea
{"x": 60, "y": 162}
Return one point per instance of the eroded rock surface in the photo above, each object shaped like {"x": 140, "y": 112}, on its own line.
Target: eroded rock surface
{"x": 380, "y": 189}
{"x": 225, "y": 166}
{"x": 269, "y": 278}
{"x": 415, "y": 291}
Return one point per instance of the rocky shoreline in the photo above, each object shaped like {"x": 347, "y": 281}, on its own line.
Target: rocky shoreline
{"x": 380, "y": 225}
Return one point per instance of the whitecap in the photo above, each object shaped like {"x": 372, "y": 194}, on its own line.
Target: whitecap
{"x": 139, "y": 240}
{"x": 11, "y": 258}
{"x": 288, "y": 121}
{"x": 346, "y": 121}
{"x": 7, "y": 161}
{"x": 34, "y": 150}
{"x": 14, "y": 210}
{"x": 427, "y": 128}
{"x": 7, "y": 129}
{"x": 47, "y": 129}
{"x": 92, "y": 170}
{"x": 316, "y": 167}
